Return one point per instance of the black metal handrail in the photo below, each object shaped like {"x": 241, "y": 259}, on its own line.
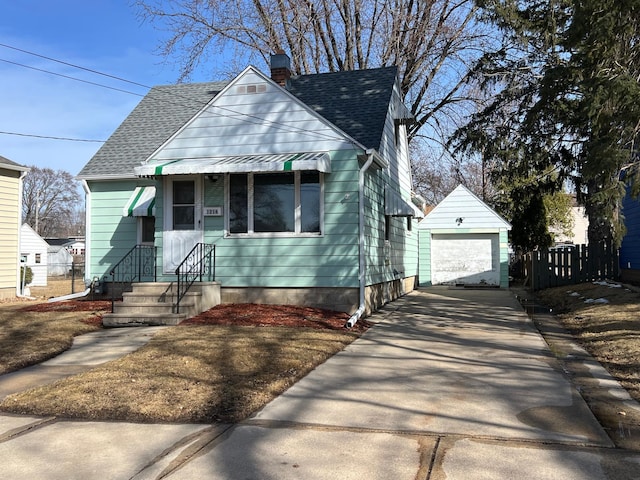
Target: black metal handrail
{"x": 200, "y": 263}
{"x": 138, "y": 265}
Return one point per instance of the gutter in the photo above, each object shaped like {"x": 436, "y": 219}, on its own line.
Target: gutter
{"x": 362, "y": 267}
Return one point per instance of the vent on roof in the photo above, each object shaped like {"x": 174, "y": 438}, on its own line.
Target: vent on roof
{"x": 246, "y": 89}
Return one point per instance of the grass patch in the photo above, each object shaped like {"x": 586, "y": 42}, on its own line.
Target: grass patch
{"x": 196, "y": 373}
{"x": 609, "y": 331}
{"x": 28, "y": 337}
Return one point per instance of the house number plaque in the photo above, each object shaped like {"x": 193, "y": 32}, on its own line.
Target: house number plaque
{"x": 212, "y": 211}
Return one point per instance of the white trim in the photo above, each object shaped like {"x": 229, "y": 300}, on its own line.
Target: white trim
{"x": 168, "y": 200}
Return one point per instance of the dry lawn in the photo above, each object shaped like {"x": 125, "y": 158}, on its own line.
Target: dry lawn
{"x": 609, "y": 331}
{"x": 219, "y": 368}
{"x": 195, "y": 374}
{"x": 29, "y": 336}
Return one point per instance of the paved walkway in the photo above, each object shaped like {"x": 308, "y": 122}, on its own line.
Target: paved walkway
{"x": 449, "y": 384}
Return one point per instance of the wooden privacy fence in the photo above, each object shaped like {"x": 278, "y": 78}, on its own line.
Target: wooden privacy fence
{"x": 570, "y": 265}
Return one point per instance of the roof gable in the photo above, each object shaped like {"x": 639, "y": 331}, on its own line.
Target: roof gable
{"x": 29, "y": 235}
{"x": 252, "y": 115}
{"x": 463, "y": 210}
{"x": 334, "y": 107}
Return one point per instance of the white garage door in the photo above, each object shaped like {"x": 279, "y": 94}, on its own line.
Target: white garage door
{"x": 465, "y": 259}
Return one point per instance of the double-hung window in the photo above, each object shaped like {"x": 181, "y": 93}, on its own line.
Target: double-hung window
{"x": 275, "y": 203}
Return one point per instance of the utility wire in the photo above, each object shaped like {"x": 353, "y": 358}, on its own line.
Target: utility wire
{"x": 51, "y": 138}
{"x": 249, "y": 118}
{"x": 70, "y": 77}
{"x": 75, "y": 66}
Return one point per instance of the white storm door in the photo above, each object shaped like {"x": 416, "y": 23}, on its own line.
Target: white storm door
{"x": 182, "y": 220}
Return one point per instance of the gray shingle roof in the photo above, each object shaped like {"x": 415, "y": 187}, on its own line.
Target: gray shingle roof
{"x": 156, "y": 118}
{"x": 355, "y": 101}
{"x": 11, "y": 164}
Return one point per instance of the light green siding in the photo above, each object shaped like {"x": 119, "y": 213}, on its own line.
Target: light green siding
{"x": 329, "y": 260}
{"x": 111, "y": 235}
{"x": 393, "y": 259}
{"x": 425, "y": 258}
{"x": 504, "y": 258}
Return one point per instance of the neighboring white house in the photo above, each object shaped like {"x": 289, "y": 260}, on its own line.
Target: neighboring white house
{"x": 33, "y": 253}
{"x": 580, "y": 227}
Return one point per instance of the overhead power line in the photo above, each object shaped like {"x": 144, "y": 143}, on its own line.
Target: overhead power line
{"x": 249, "y": 118}
{"x": 74, "y": 66}
{"x": 51, "y": 138}
{"x": 70, "y": 77}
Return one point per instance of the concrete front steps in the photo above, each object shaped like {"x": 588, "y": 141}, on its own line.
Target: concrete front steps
{"x": 154, "y": 303}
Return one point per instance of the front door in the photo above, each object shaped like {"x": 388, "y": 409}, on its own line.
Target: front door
{"x": 182, "y": 219}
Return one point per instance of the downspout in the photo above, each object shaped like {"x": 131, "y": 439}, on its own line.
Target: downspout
{"x": 362, "y": 261}
{"x": 87, "y": 231}
{"x": 19, "y": 285}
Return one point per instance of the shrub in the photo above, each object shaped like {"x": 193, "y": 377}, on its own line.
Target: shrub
{"x": 26, "y": 275}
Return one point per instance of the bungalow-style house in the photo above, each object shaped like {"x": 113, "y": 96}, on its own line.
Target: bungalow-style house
{"x": 302, "y": 184}
{"x": 464, "y": 242}
{"x": 11, "y": 175}
{"x": 34, "y": 254}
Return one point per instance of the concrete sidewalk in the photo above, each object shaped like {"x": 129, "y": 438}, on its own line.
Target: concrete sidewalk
{"x": 449, "y": 383}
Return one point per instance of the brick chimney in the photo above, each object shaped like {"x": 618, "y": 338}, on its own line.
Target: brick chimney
{"x": 281, "y": 68}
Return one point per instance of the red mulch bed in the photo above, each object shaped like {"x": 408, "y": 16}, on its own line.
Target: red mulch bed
{"x": 70, "y": 306}
{"x": 98, "y": 307}
{"x": 250, "y": 314}
{"x": 247, "y": 314}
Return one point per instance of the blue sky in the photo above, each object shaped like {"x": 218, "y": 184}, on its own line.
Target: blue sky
{"x": 102, "y": 35}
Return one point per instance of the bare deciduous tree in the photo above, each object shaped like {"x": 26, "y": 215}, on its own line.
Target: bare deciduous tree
{"x": 433, "y": 42}
{"x": 50, "y": 202}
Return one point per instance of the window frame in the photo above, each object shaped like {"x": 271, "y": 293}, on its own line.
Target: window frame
{"x": 169, "y": 203}
{"x": 141, "y": 229}
{"x": 250, "y": 207}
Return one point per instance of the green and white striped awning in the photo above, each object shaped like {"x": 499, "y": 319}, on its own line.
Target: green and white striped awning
{"x": 317, "y": 161}
{"x": 142, "y": 203}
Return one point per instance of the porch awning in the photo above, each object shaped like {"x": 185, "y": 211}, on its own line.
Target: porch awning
{"x": 142, "y": 203}
{"x": 396, "y": 206}
{"x": 318, "y": 161}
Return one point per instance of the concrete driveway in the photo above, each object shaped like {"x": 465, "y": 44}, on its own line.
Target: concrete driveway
{"x": 449, "y": 383}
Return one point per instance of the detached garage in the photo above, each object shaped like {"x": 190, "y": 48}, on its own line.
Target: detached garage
{"x": 464, "y": 242}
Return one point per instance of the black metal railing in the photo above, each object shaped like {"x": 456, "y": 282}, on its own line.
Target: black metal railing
{"x": 199, "y": 264}
{"x": 138, "y": 265}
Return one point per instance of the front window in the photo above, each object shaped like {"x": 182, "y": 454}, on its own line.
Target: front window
{"x": 275, "y": 203}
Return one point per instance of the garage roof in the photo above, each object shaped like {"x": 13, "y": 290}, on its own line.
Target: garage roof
{"x": 463, "y": 210}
